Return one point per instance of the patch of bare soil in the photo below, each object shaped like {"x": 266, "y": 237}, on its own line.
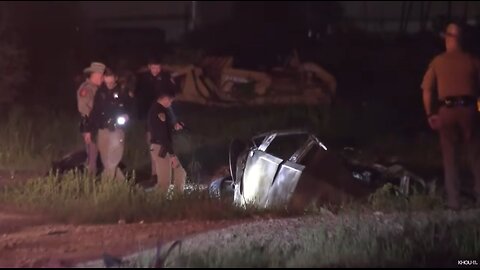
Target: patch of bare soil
{"x": 30, "y": 241}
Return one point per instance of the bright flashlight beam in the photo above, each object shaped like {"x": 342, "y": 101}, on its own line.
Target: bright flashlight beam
{"x": 121, "y": 120}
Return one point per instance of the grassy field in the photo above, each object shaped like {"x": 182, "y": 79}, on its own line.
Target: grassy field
{"x": 78, "y": 198}
{"x": 31, "y": 140}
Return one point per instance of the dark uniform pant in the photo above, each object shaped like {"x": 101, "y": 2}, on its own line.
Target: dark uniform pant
{"x": 459, "y": 127}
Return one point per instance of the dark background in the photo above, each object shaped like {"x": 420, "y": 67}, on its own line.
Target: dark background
{"x": 379, "y": 69}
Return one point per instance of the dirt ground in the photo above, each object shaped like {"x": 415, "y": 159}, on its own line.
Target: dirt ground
{"x": 33, "y": 241}
{"x": 28, "y": 240}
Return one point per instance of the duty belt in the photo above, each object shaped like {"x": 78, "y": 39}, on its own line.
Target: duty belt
{"x": 458, "y": 101}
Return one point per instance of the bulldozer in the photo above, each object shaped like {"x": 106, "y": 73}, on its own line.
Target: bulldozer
{"x": 216, "y": 82}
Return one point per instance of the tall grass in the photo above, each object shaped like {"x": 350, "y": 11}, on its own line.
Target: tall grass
{"x": 30, "y": 139}
{"x": 79, "y": 198}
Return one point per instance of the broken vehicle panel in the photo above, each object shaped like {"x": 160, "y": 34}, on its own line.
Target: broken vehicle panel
{"x": 294, "y": 169}
{"x": 268, "y": 172}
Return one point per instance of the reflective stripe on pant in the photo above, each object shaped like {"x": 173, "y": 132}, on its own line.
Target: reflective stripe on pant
{"x": 110, "y": 145}
{"x": 164, "y": 171}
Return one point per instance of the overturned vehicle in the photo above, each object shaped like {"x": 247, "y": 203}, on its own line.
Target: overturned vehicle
{"x": 285, "y": 168}
{"x": 294, "y": 169}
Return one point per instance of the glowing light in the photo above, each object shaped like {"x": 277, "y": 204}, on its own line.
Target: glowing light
{"x": 121, "y": 120}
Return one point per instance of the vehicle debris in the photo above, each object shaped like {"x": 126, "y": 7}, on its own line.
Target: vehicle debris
{"x": 277, "y": 168}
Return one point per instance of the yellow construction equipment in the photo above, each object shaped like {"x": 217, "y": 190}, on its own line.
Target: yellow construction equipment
{"x": 215, "y": 82}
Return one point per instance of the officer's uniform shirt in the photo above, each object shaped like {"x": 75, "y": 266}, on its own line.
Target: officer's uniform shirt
{"x": 85, "y": 96}
{"x": 454, "y": 73}
{"x": 147, "y": 89}
{"x": 108, "y": 105}
{"x": 160, "y": 126}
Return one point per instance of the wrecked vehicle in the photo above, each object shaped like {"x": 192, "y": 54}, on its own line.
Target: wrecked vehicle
{"x": 266, "y": 180}
{"x": 283, "y": 169}
{"x": 294, "y": 169}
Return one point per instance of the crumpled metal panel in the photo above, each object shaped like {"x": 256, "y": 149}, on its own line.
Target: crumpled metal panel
{"x": 284, "y": 185}
{"x": 266, "y": 181}
{"x": 258, "y": 176}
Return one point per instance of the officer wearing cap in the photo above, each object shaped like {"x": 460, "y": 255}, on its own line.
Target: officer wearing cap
{"x": 85, "y": 96}
{"x": 163, "y": 157}
{"x": 450, "y": 91}
{"x": 110, "y": 115}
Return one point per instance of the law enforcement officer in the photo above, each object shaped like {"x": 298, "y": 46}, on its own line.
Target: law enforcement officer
{"x": 451, "y": 83}
{"x": 110, "y": 115}
{"x": 85, "y": 96}
{"x": 161, "y": 145}
{"x": 156, "y": 79}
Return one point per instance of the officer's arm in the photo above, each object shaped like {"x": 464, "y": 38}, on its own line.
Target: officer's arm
{"x": 172, "y": 116}
{"x": 82, "y": 102}
{"x": 83, "y": 98}
{"x": 94, "y": 116}
{"x": 428, "y": 87}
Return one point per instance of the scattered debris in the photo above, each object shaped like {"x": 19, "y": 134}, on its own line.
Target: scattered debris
{"x": 376, "y": 174}
{"x": 277, "y": 166}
